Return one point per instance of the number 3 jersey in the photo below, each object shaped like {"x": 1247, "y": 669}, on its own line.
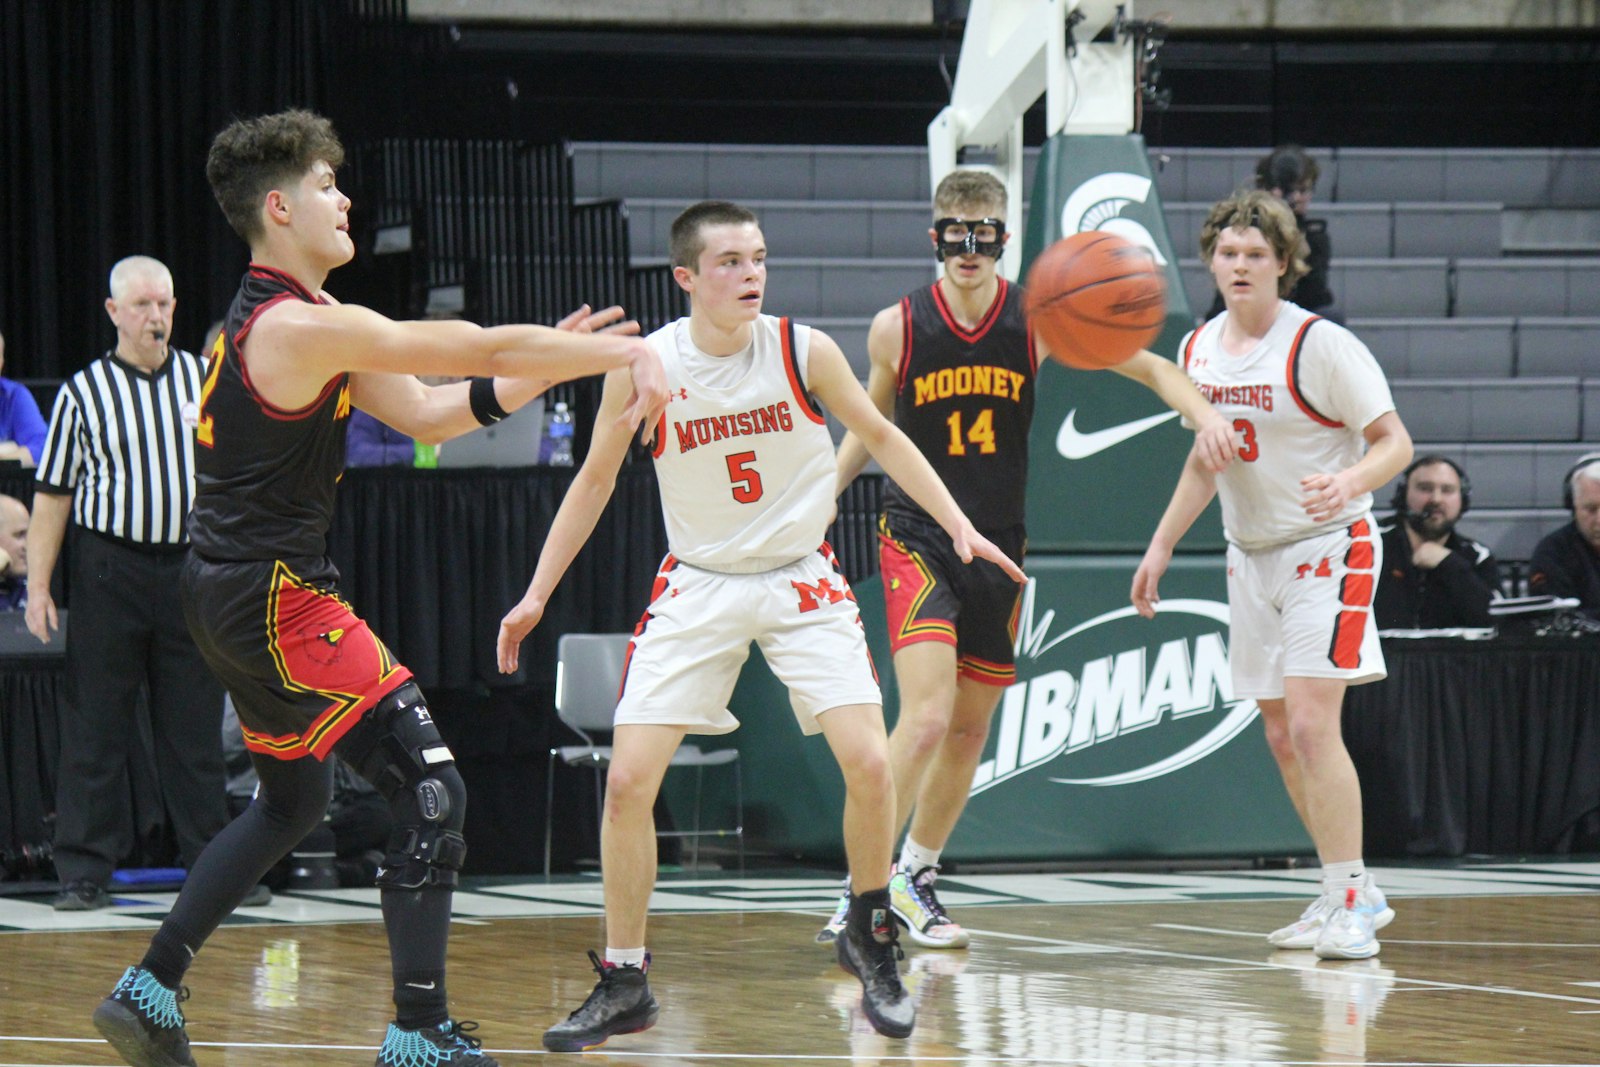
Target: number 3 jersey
{"x": 1298, "y": 402}
{"x": 965, "y": 398}
{"x": 743, "y": 455}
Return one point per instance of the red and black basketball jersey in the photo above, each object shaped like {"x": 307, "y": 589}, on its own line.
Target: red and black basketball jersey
{"x": 965, "y": 398}
{"x": 265, "y": 476}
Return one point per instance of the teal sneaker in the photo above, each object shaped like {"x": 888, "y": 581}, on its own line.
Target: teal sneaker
{"x": 142, "y": 1021}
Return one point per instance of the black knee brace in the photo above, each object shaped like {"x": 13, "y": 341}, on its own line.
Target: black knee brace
{"x": 397, "y": 748}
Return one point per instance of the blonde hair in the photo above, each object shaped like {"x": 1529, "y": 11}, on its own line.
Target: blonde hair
{"x": 968, "y": 188}
{"x": 1258, "y": 209}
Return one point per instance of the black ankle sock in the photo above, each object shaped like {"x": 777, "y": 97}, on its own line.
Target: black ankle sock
{"x": 419, "y": 1000}
{"x": 862, "y": 907}
{"x": 169, "y": 955}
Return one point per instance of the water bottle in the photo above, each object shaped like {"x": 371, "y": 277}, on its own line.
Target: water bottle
{"x": 556, "y": 449}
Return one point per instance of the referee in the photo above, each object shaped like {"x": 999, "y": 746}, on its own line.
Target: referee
{"x": 119, "y": 463}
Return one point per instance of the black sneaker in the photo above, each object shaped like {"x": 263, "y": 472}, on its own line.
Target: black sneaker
{"x": 81, "y": 894}
{"x": 450, "y": 1043}
{"x": 620, "y": 1004}
{"x": 142, "y": 1021}
{"x": 873, "y": 959}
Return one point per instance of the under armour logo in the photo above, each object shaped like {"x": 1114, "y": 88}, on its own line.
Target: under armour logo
{"x": 677, "y": 394}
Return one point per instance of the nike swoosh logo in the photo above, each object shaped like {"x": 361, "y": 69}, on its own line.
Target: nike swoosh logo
{"x": 420, "y": 985}
{"x": 1075, "y": 444}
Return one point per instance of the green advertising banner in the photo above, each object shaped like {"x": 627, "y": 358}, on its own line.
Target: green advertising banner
{"x": 1105, "y": 452}
{"x": 1120, "y": 738}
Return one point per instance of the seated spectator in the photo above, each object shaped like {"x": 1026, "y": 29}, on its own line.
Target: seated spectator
{"x": 22, "y": 428}
{"x": 1289, "y": 174}
{"x": 370, "y": 442}
{"x": 1566, "y": 562}
{"x": 1433, "y": 578}
{"x": 13, "y": 554}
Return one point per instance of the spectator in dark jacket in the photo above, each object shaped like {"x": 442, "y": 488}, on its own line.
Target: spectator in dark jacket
{"x": 1566, "y": 562}
{"x": 1433, "y": 578}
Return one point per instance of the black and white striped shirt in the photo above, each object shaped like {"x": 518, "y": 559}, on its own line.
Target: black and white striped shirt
{"x": 121, "y": 441}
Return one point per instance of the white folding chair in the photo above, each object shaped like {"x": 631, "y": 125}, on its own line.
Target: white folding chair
{"x": 589, "y": 671}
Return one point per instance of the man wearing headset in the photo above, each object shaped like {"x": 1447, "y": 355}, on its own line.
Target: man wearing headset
{"x": 1566, "y": 562}
{"x": 1433, "y": 578}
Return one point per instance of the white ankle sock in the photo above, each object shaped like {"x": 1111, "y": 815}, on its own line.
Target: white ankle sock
{"x": 625, "y": 957}
{"x": 1337, "y": 877}
{"x": 914, "y": 857}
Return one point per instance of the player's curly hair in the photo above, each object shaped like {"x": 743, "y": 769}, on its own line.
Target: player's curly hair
{"x": 1263, "y": 211}
{"x": 254, "y": 156}
{"x": 968, "y": 188}
{"x": 687, "y": 241}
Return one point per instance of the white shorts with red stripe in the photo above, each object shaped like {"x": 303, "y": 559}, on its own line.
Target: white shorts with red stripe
{"x": 1304, "y": 609}
{"x": 693, "y": 640}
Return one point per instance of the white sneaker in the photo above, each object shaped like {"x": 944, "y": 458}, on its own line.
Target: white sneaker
{"x": 1350, "y": 931}
{"x": 916, "y": 905}
{"x": 1304, "y": 931}
{"x": 834, "y": 927}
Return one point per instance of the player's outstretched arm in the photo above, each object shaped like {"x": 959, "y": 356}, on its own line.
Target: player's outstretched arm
{"x": 435, "y": 413}
{"x": 296, "y": 348}
{"x": 580, "y": 509}
{"x": 835, "y": 385}
{"x": 884, "y": 339}
{"x": 1196, "y": 486}
{"x": 1166, "y": 379}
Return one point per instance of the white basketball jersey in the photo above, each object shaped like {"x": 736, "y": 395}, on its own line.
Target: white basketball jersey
{"x": 1298, "y": 403}
{"x": 746, "y": 471}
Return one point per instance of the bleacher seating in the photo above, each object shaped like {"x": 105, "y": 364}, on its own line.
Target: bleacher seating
{"x": 1473, "y": 274}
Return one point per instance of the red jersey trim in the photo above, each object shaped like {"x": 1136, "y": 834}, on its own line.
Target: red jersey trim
{"x": 989, "y": 316}
{"x": 1293, "y": 375}
{"x": 660, "y": 446}
{"x": 1188, "y": 349}
{"x": 268, "y": 408}
{"x": 905, "y": 342}
{"x": 791, "y": 365}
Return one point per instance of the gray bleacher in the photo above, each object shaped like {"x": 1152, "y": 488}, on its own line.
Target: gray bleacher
{"x": 1473, "y": 275}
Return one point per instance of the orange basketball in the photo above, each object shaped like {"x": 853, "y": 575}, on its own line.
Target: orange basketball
{"x": 1095, "y": 299}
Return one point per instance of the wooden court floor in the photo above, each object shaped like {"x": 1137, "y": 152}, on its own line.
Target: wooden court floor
{"x": 1497, "y": 964}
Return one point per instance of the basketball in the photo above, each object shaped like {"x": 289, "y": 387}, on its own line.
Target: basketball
{"x": 1095, "y": 299}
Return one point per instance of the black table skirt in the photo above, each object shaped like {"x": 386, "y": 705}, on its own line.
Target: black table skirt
{"x": 1480, "y": 747}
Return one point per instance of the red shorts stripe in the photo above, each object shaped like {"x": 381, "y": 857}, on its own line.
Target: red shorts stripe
{"x": 1347, "y": 635}
{"x": 1355, "y": 591}
{"x": 986, "y": 673}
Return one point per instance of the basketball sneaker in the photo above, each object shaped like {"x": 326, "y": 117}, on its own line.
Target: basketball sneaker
{"x": 447, "y": 1045}
{"x": 142, "y": 1021}
{"x": 1304, "y": 931}
{"x": 1350, "y": 931}
{"x": 912, "y": 899}
{"x": 620, "y": 1004}
{"x": 835, "y": 926}
{"x": 872, "y": 958}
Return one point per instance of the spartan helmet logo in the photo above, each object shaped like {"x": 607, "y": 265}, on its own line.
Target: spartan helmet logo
{"x": 1097, "y": 204}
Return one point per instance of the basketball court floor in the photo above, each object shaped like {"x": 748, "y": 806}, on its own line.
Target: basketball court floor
{"x": 1486, "y": 963}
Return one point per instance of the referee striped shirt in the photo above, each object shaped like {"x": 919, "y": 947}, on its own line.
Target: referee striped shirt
{"x": 121, "y": 442}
